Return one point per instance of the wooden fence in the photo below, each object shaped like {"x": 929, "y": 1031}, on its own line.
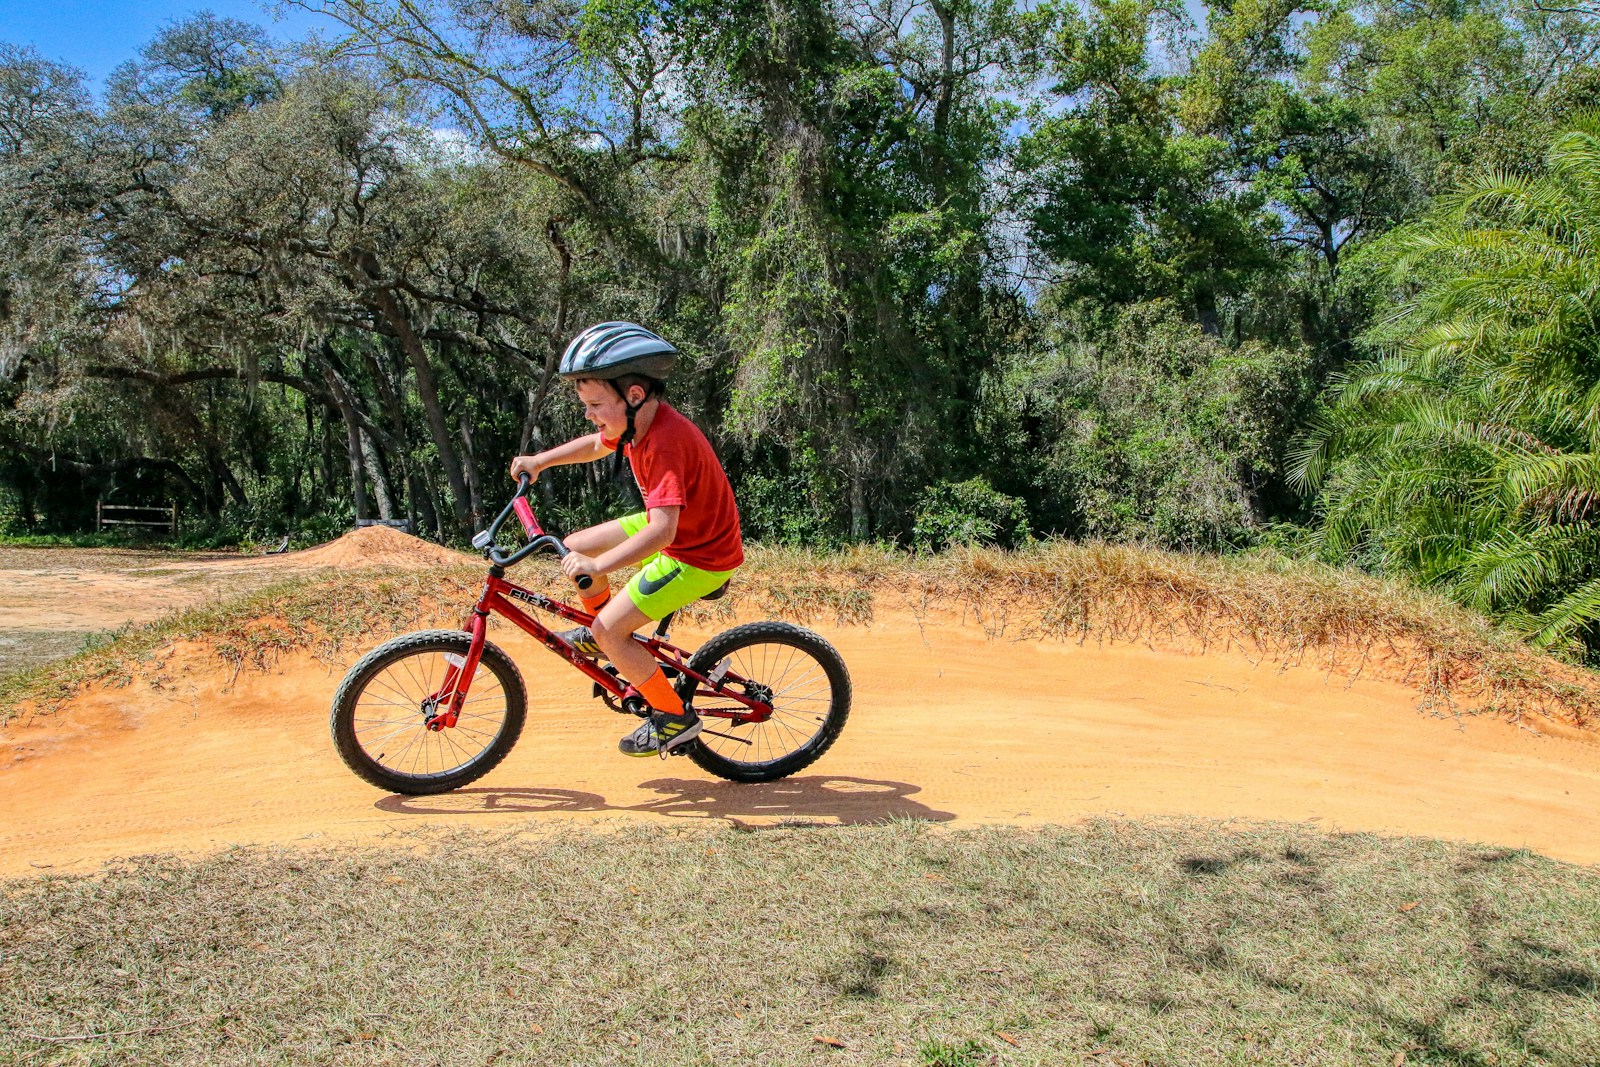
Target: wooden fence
{"x": 152, "y": 518}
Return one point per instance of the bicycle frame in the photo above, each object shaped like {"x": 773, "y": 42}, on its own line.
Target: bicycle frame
{"x": 497, "y": 597}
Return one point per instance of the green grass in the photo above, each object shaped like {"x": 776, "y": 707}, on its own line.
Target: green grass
{"x": 1119, "y": 942}
{"x": 107, "y": 539}
{"x": 145, "y": 541}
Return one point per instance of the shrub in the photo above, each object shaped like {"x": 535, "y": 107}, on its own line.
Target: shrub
{"x": 1155, "y": 431}
{"x": 968, "y": 513}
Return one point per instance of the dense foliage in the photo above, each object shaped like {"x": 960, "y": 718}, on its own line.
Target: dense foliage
{"x": 1469, "y": 453}
{"x": 942, "y": 271}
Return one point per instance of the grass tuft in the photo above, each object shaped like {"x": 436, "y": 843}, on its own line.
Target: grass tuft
{"x": 968, "y": 1053}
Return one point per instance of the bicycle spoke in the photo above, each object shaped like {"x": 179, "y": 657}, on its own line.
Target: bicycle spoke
{"x": 801, "y": 697}
{"x": 405, "y": 749}
{"x": 464, "y": 755}
{"x": 389, "y": 722}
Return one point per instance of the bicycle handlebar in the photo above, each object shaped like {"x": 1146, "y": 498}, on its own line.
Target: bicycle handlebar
{"x": 519, "y": 504}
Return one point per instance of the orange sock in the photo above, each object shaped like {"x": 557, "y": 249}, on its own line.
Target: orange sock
{"x": 593, "y": 604}
{"x": 659, "y": 692}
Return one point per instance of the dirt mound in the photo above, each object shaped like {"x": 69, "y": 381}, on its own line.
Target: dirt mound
{"x": 377, "y": 546}
{"x": 948, "y": 725}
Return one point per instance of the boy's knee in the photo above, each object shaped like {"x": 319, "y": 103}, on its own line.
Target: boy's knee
{"x": 597, "y": 539}
{"x": 606, "y": 635}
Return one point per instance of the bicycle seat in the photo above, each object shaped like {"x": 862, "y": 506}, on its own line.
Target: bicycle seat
{"x": 719, "y": 592}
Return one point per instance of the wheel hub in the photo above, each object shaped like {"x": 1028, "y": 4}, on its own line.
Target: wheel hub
{"x": 435, "y": 720}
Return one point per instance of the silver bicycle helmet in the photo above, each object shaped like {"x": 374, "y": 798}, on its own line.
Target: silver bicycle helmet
{"x": 612, "y": 349}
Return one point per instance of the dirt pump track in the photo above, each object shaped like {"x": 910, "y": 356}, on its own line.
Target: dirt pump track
{"x": 949, "y": 725}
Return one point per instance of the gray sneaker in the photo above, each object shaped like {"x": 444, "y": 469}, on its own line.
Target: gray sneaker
{"x": 661, "y": 733}
{"x": 581, "y": 640}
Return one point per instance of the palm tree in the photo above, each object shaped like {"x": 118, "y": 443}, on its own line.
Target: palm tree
{"x": 1468, "y": 454}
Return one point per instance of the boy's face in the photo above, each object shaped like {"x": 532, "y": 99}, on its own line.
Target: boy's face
{"x": 603, "y": 407}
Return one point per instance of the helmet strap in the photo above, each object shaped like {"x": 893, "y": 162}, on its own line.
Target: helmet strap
{"x": 626, "y": 438}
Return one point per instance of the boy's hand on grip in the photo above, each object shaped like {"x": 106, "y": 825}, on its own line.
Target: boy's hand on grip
{"x": 524, "y": 465}
{"x": 577, "y": 566}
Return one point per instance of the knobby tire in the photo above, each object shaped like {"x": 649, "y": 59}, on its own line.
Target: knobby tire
{"x": 377, "y": 719}
{"x": 811, "y": 701}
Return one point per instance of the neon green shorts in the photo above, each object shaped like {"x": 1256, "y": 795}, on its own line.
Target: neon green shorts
{"x": 663, "y": 584}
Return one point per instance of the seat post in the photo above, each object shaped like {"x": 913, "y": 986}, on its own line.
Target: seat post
{"x": 661, "y": 627}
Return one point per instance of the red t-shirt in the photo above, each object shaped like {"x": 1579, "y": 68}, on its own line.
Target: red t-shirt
{"x": 675, "y": 467}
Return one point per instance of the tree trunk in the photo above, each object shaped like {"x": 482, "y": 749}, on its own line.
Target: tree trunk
{"x": 1205, "y": 306}
{"x": 858, "y": 505}
{"x": 389, "y": 306}
{"x": 327, "y": 456}
{"x": 440, "y": 532}
{"x": 308, "y": 458}
{"x": 470, "y": 469}
{"x": 358, "y": 483}
{"x": 229, "y": 482}
{"x": 380, "y": 478}
{"x": 354, "y": 440}
{"x": 417, "y": 506}
{"x": 221, "y": 484}
{"x": 533, "y": 441}
{"x": 947, "y": 77}
{"x": 421, "y": 512}
{"x": 25, "y": 505}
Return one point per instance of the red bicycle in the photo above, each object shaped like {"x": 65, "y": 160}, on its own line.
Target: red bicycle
{"x": 432, "y": 711}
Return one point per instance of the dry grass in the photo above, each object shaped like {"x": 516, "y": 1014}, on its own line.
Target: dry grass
{"x": 1265, "y": 606}
{"x": 322, "y": 613}
{"x": 1116, "y": 943}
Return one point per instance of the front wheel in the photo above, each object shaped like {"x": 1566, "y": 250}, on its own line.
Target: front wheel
{"x": 798, "y": 672}
{"x": 386, "y": 722}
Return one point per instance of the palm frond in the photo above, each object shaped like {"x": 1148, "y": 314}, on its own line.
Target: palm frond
{"x": 1516, "y": 566}
{"x": 1564, "y": 485}
{"x": 1569, "y": 617}
{"x": 1468, "y": 454}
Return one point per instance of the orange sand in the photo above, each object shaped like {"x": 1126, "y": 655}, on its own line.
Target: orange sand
{"x": 952, "y": 728}
{"x": 372, "y": 546}
{"x": 948, "y": 725}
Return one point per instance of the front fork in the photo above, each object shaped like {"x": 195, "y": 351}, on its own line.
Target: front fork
{"x": 452, "y": 692}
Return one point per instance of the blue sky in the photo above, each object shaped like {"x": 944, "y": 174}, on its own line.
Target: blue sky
{"x": 96, "y": 35}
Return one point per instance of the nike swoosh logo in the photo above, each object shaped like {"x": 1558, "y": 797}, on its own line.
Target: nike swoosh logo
{"x": 649, "y": 588}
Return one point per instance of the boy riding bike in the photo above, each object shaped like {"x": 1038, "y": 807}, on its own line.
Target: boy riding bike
{"x": 687, "y": 537}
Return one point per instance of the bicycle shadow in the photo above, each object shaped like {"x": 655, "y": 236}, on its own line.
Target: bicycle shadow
{"x": 833, "y": 799}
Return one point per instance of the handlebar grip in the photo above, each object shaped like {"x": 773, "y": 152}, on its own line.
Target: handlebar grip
{"x": 525, "y": 513}
{"x": 539, "y": 538}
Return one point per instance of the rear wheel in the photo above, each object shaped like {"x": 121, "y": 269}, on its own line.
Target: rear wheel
{"x": 382, "y": 712}
{"x": 794, "y": 669}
